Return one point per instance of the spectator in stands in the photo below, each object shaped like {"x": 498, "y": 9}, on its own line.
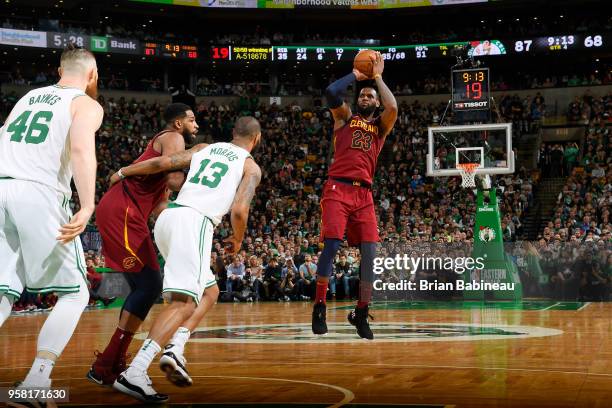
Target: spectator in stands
{"x": 341, "y": 276}
{"x": 307, "y": 277}
{"x": 235, "y": 273}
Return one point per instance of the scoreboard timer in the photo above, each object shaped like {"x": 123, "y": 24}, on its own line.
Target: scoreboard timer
{"x": 470, "y": 89}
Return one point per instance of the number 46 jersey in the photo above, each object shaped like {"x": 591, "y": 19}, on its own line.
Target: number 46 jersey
{"x": 34, "y": 140}
{"x": 214, "y": 176}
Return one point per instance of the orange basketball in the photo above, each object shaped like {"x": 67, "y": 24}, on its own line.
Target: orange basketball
{"x": 364, "y": 62}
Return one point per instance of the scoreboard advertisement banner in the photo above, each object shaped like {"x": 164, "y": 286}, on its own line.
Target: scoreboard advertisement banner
{"x": 549, "y": 45}
{"x": 321, "y": 4}
{"x": 23, "y": 38}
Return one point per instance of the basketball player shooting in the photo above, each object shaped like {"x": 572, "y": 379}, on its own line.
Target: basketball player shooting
{"x": 347, "y": 204}
{"x": 122, "y": 217}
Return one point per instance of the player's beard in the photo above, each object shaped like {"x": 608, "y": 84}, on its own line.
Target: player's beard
{"x": 92, "y": 89}
{"x": 366, "y": 111}
{"x": 188, "y": 137}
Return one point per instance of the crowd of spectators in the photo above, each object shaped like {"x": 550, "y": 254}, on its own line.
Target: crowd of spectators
{"x": 279, "y": 254}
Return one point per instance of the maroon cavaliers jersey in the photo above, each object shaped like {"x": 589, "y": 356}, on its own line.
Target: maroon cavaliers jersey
{"x": 147, "y": 190}
{"x": 357, "y": 145}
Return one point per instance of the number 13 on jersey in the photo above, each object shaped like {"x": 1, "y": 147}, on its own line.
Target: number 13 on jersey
{"x": 209, "y": 176}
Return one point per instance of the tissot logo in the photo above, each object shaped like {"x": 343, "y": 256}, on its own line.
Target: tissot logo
{"x": 390, "y": 332}
{"x": 475, "y": 104}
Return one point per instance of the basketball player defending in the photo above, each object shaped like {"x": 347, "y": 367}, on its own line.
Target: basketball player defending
{"x": 49, "y": 138}
{"x": 222, "y": 176}
{"x": 347, "y": 203}
{"x": 122, "y": 217}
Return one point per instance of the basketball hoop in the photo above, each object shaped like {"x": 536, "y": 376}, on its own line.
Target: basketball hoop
{"x": 468, "y": 172}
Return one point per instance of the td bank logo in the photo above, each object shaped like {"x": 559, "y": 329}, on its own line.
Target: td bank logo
{"x": 99, "y": 44}
{"x": 388, "y": 332}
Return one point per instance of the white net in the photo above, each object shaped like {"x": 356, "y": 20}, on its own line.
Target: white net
{"x": 468, "y": 174}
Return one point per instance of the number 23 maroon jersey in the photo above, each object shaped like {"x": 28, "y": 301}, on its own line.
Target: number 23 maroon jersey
{"x": 357, "y": 145}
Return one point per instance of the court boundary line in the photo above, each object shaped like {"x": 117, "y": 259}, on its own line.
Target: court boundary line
{"x": 583, "y": 306}
{"x": 381, "y": 365}
{"x": 551, "y": 306}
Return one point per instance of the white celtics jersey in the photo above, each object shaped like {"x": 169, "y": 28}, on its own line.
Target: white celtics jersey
{"x": 34, "y": 142}
{"x": 214, "y": 176}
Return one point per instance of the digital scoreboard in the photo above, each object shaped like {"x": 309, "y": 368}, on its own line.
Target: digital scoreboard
{"x": 170, "y": 50}
{"x": 470, "y": 89}
{"x": 328, "y": 53}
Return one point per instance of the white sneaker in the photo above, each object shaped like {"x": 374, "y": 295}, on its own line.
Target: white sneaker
{"x": 173, "y": 364}
{"x": 137, "y": 384}
{"x": 287, "y": 299}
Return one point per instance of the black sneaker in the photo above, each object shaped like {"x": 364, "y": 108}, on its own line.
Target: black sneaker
{"x": 319, "y": 326}
{"x": 359, "y": 318}
{"x": 174, "y": 367}
{"x": 138, "y": 385}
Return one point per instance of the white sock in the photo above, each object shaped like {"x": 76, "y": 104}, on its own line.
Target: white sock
{"x": 145, "y": 355}
{"x": 179, "y": 339}
{"x": 6, "y": 305}
{"x": 40, "y": 373}
{"x": 63, "y": 319}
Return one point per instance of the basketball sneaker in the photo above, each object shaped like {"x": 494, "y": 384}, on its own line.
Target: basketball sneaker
{"x": 173, "y": 364}
{"x": 359, "y": 318}
{"x": 319, "y": 324}
{"x": 106, "y": 375}
{"x": 137, "y": 384}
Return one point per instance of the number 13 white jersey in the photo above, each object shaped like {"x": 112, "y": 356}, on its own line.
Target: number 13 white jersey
{"x": 214, "y": 176}
{"x": 34, "y": 142}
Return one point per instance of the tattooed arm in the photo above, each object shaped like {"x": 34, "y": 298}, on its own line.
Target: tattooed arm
{"x": 177, "y": 161}
{"x": 242, "y": 201}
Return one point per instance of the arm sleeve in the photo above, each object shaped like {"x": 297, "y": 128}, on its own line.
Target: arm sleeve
{"x": 336, "y": 90}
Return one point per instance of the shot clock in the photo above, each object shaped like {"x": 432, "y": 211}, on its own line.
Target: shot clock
{"x": 470, "y": 89}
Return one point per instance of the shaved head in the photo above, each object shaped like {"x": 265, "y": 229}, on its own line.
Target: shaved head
{"x": 247, "y": 127}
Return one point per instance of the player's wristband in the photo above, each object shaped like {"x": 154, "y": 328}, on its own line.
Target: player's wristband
{"x": 377, "y": 76}
{"x": 120, "y": 174}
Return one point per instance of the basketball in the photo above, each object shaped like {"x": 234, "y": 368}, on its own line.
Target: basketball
{"x": 364, "y": 62}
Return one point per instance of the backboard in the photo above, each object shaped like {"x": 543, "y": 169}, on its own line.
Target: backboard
{"x": 489, "y": 145}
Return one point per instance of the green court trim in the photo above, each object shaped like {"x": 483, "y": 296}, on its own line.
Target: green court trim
{"x": 63, "y": 289}
{"x": 201, "y": 247}
{"x": 78, "y": 260}
{"x": 535, "y": 305}
{"x": 6, "y": 290}
{"x": 184, "y": 292}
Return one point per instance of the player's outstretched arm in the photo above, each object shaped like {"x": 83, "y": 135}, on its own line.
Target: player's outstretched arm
{"x": 389, "y": 115}
{"x": 242, "y": 201}
{"x": 177, "y": 161}
{"x": 334, "y": 94}
{"x": 87, "y": 118}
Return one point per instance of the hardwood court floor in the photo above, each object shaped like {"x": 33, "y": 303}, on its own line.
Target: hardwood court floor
{"x": 426, "y": 354}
